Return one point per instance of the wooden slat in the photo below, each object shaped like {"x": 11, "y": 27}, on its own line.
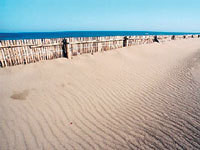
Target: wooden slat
{"x": 15, "y": 52}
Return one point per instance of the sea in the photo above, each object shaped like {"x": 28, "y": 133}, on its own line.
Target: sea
{"x": 44, "y": 35}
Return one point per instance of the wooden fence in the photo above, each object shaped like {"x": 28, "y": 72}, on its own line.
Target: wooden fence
{"x": 15, "y": 52}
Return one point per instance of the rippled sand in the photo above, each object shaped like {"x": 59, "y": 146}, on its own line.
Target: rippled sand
{"x": 142, "y": 97}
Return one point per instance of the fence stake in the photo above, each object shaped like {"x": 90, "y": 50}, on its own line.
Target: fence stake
{"x": 69, "y": 52}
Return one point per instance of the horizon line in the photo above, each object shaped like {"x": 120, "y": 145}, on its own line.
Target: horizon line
{"x": 98, "y": 31}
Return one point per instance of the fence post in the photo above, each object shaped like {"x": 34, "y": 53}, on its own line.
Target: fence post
{"x": 99, "y": 46}
{"x": 125, "y": 41}
{"x": 69, "y": 52}
{"x": 156, "y": 39}
{"x": 173, "y": 37}
{"x": 66, "y": 49}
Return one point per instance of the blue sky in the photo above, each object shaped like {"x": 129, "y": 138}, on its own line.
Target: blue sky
{"x": 93, "y": 15}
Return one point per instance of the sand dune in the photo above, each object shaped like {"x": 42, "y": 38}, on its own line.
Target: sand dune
{"x": 141, "y": 97}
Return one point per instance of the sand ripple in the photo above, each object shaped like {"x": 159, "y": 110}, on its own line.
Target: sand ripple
{"x": 144, "y": 97}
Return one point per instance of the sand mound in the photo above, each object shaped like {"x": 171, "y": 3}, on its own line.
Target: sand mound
{"x": 142, "y": 97}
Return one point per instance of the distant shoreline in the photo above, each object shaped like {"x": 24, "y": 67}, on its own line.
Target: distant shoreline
{"x": 49, "y": 35}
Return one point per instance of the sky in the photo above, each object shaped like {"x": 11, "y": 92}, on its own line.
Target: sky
{"x": 99, "y": 15}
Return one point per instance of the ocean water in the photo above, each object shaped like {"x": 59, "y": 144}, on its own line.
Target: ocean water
{"x": 39, "y": 35}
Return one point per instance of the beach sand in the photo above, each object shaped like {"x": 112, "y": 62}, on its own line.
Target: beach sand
{"x": 140, "y": 97}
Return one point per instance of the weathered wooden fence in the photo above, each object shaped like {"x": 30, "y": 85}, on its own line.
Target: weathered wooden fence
{"x": 15, "y": 52}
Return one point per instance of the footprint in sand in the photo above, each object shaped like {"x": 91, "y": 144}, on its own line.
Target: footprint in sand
{"x": 20, "y": 95}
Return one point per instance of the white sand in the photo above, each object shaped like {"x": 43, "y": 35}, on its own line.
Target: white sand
{"x": 144, "y": 97}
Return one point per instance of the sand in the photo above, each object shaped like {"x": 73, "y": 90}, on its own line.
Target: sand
{"x": 141, "y": 97}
